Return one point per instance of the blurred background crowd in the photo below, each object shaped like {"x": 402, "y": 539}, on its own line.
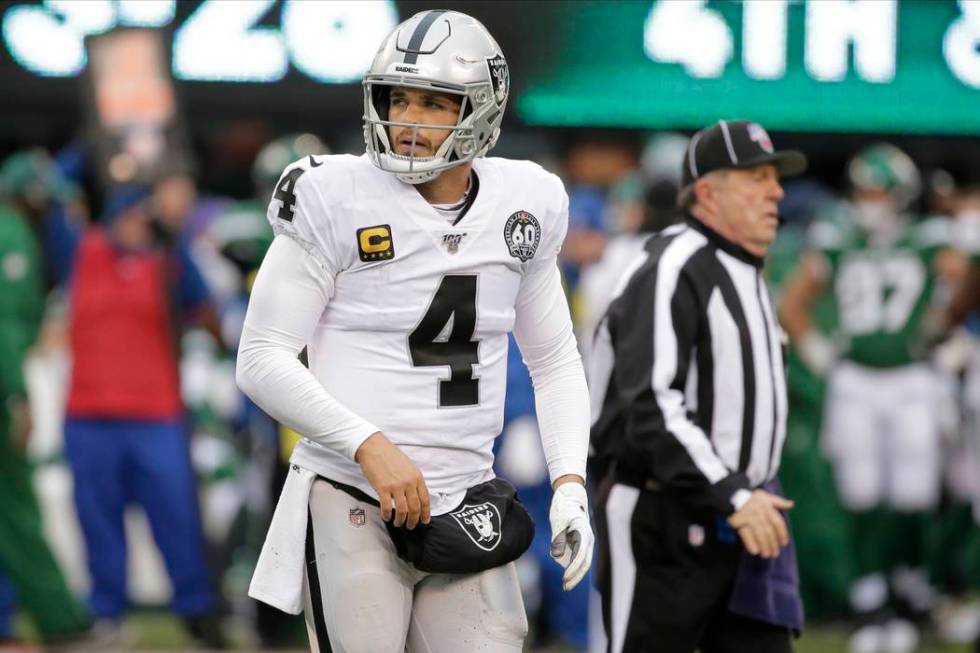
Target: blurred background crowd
{"x": 140, "y": 145}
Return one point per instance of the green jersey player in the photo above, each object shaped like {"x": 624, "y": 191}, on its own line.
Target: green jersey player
{"x": 881, "y": 268}
{"x": 883, "y": 284}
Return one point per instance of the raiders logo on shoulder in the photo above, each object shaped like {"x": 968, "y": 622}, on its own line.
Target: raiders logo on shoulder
{"x": 481, "y": 523}
{"x": 522, "y": 233}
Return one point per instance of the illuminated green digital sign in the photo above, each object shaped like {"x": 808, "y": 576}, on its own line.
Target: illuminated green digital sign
{"x": 818, "y": 65}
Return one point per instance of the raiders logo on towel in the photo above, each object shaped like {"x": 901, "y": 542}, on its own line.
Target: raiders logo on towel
{"x": 481, "y": 523}
{"x": 439, "y": 546}
{"x": 522, "y": 233}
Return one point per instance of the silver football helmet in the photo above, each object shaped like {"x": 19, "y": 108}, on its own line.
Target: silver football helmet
{"x": 444, "y": 51}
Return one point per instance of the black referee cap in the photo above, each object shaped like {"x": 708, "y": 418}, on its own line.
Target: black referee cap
{"x": 737, "y": 144}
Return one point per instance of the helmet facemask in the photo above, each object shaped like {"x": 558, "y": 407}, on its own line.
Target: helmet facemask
{"x": 478, "y": 122}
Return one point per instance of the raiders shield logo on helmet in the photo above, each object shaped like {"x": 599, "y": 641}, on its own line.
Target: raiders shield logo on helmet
{"x": 499, "y": 78}
{"x": 522, "y": 233}
{"x": 481, "y": 523}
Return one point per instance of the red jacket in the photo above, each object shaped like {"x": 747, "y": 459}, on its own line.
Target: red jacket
{"x": 124, "y": 360}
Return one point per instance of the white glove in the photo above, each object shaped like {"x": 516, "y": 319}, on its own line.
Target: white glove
{"x": 952, "y": 355}
{"x": 817, "y": 352}
{"x": 571, "y": 533}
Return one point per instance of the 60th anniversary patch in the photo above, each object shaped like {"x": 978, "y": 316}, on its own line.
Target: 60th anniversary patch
{"x": 522, "y": 233}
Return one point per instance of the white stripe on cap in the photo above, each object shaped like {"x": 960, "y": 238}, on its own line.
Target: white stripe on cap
{"x": 691, "y": 153}
{"x": 728, "y": 141}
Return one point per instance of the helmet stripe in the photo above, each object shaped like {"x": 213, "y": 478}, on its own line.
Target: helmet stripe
{"x": 412, "y": 49}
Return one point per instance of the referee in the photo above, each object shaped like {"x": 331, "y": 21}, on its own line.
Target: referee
{"x": 689, "y": 419}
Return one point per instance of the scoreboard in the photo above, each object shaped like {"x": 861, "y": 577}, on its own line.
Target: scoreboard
{"x": 890, "y": 66}
{"x": 814, "y": 65}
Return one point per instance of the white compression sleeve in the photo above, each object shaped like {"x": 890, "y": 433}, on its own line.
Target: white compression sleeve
{"x": 289, "y": 296}
{"x": 543, "y": 330}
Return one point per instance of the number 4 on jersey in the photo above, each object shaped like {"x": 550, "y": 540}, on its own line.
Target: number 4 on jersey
{"x": 285, "y": 193}
{"x": 455, "y": 300}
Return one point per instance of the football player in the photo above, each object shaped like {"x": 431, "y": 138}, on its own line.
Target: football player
{"x": 402, "y": 271}
{"x": 881, "y": 426}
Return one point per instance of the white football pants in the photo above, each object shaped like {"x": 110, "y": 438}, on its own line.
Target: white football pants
{"x": 371, "y": 601}
{"x": 881, "y": 430}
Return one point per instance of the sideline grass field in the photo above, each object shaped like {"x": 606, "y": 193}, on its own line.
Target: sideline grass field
{"x": 153, "y": 630}
{"x": 825, "y": 639}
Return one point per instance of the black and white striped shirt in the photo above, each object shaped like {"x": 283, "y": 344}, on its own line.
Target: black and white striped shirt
{"x": 687, "y": 374}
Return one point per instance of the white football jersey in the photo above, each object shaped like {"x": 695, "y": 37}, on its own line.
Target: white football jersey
{"x": 414, "y": 337}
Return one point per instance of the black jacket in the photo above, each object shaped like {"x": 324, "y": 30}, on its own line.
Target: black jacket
{"x": 688, "y": 367}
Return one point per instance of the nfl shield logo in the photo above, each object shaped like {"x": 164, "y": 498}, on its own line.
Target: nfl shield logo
{"x": 357, "y": 517}
{"x": 695, "y": 535}
{"x": 759, "y": 135}
{"x": 452, "y": 241}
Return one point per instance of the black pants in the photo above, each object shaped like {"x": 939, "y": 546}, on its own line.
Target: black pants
{"x": 666, "y": 572}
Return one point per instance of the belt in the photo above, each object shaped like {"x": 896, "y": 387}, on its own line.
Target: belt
{"x": 633, "y": 478}
{"x": 354, "y": 492}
